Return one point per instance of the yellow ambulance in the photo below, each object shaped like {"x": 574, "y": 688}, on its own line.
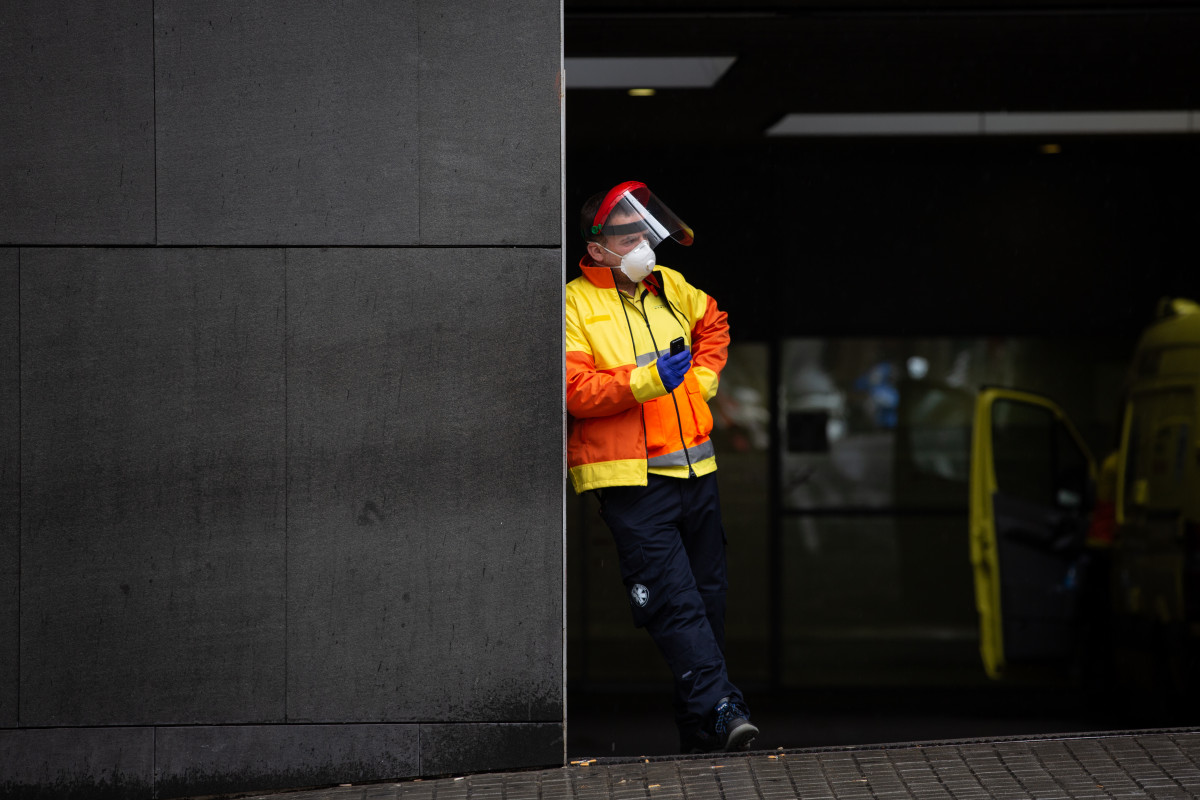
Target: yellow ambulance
{"x": 1073, "y": 565}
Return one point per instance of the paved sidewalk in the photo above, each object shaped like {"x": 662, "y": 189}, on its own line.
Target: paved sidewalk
{"x": 1146, "y": 764}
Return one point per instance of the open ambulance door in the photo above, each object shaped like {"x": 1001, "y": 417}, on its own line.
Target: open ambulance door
{"x": 1032, "y": 481}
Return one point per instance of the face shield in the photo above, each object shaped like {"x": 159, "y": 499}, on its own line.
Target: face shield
{"x": 631, "y": 207}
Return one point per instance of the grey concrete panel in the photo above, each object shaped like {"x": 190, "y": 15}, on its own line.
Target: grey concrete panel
{"x": 207, "y": 760}
{"x": 448, "y": 749}
{"x": 490, "y": 141}
{"x": 152, "y": 574}
{"x": 287, "y": 122}
{"x": 10, "y": 482}
{"x": 77, "y": 89}
{"x": 425, "y": 485}
{"x": 81, "y": 762}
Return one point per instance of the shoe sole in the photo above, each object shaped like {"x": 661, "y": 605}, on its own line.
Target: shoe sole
{"x": 741, "y": 737}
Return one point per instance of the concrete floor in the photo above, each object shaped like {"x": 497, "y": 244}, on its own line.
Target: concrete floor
{"x": 620, "y": 723}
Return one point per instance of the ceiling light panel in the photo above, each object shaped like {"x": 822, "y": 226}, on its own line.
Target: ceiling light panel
{"x": 693, "y": 72}
{"x": 877, "y": 125}
{"x": 1087, "y": 122}
{"x": 989, "y": 123}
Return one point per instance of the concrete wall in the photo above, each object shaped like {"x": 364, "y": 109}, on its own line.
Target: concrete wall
{"x": 280, "y": 393}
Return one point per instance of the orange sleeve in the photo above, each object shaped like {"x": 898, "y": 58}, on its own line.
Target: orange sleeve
{"x": 596, "y": 393}
{"x": 710, "y": 342}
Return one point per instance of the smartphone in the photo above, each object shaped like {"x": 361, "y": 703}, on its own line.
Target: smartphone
{"x": 677, "y": 346}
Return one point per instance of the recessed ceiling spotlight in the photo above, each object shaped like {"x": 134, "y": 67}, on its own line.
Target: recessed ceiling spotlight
{"x": 1050, "y": 149}
{"x": 641, "y": 93}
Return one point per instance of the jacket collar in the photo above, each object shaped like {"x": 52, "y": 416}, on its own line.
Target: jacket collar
{"x": 602, "y": 277}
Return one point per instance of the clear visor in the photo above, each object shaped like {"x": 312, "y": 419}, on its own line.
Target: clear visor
{"x": 639, "y": 211}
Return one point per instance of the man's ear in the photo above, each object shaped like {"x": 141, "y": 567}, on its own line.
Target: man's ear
{"x": 595, "y": 251}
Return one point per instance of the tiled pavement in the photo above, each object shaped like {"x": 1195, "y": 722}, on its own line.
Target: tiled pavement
{"x": 1156, "y": 764}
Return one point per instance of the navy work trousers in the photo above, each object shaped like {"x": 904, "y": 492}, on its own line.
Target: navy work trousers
{"x": 671, "y": 543}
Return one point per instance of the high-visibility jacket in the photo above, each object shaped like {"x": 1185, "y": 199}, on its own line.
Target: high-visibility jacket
{"x": 622, "y": 422}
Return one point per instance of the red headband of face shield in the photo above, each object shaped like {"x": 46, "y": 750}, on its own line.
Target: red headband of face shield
{"x": 631, "y": 207}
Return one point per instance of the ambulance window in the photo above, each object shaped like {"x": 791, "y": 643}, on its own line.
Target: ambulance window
{"x": 1036, "y": 458}
{"x": 1169, "y": 464}
{"x": 1158, "y": 468}
{"x": 1023, "y": 451}
{"x": 1071, "y": 469}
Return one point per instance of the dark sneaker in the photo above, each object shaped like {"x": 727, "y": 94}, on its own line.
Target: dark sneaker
{"x": 733, "y": 726}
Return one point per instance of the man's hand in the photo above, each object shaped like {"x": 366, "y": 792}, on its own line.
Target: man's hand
{"x": 672, "y": 368}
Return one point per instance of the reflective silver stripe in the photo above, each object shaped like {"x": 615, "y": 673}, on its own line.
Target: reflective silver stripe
{"x": 678, "y": 459}
{"x": 650, "y": 358}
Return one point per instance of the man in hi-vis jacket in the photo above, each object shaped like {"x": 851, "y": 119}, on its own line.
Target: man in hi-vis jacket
{"x": 644, "y": 351}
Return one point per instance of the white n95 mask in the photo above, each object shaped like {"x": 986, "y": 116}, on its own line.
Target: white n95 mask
{"x": 638, "y": 262}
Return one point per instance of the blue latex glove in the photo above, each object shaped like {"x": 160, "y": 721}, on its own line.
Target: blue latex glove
{"x": 672, "y": 368}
